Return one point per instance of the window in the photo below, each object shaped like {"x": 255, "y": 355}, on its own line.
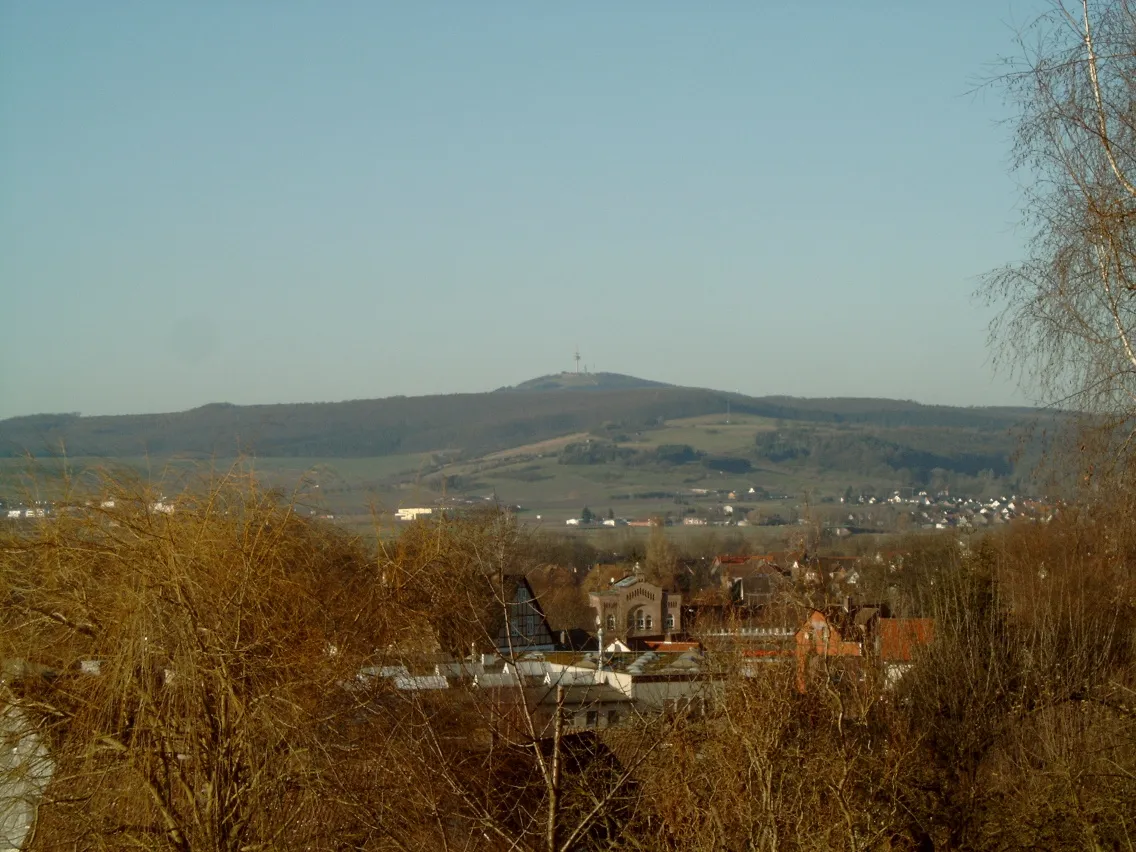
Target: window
{"x": 612, "y": 717}
{"x": 670, "y": 621}
{"x": 611, "y": 622}
{"x": 592, "y": 718}
{"x": 650, "y": 621}
{"x": 640, "y": 622}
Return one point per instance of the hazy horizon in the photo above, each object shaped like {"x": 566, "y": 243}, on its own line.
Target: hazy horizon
{"x": 256, "y": 204}
{"x": 487, "y": 390}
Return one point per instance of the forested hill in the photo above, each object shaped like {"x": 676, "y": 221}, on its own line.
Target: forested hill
{"x": 472, "y": 423}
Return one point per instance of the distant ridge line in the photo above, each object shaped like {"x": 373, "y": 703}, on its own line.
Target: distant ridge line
{"x": 470, "y": 423}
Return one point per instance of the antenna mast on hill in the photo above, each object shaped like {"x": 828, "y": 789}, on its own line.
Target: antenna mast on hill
{"x": 577, "y": 360}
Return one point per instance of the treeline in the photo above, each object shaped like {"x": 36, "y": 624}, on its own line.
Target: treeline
{"x": 227, "y": 677}
{"x": 892, "y": 413}
{"x": 887, "y": 454}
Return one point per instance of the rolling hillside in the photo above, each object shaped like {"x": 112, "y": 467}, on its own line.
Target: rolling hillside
{"x": 467, "y": 424}
{"x": 553, "y": 445}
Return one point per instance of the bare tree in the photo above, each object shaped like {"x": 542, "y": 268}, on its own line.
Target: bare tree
{"x": 502, "y": 765}
{"x": 1067, "y": 324}
{"x": 183, "y": 668}
{"x": 1031, "y": 661}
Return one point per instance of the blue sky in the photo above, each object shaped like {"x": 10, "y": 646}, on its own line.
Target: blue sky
{"x": 294, "y": 201}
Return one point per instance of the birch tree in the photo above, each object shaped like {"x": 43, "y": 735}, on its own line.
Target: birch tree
{"x": 1067, "y": 321}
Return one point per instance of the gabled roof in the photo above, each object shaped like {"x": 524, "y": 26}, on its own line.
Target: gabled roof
{"x": 627, "y": 583}
{"x": 755, "y": 568}
{"x": 526, "y": 626}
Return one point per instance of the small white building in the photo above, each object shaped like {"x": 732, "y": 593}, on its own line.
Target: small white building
{"x": 413, "y": 514}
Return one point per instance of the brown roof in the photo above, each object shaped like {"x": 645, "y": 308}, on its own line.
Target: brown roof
{"x": 757, "y": 569}
{"x": 899, "y": 637}
{"x": 731, "y": 559}
{"x": 664, "y": 646}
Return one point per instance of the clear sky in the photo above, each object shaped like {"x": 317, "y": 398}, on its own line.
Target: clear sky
{"x": 296, "y": 201}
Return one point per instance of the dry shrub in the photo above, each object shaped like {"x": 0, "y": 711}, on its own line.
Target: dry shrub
{"x": 226, "y": 711}
{"x": 219, "y": 633}
{"x": 768, "y": 769}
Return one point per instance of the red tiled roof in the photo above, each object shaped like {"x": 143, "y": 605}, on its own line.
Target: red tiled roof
{"x": 732, "y": 560}
{"x": 671, "y": 646}
{"x": 899, "y": 637}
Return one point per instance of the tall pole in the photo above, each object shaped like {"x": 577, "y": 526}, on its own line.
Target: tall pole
{"x": 600, "y": 642}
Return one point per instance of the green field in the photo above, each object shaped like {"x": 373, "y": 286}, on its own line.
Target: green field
{"x": 710, "y": 433}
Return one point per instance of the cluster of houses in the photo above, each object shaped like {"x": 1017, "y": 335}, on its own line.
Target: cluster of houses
{"x": 722, "y": 512}
{"x": 653, "y": 650}
{"x": 636, "y": 661}
{"x": 942, "y": 511}
{"x": 43, "y": 509}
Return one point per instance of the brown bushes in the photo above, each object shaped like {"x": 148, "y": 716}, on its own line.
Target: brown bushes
{"x": 224, "y": 635}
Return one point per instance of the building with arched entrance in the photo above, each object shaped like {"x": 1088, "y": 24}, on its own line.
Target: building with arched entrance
{"x": 634, "y": 610}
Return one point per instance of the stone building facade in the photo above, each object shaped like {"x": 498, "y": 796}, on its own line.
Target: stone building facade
{"x": 635, "y": 609}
